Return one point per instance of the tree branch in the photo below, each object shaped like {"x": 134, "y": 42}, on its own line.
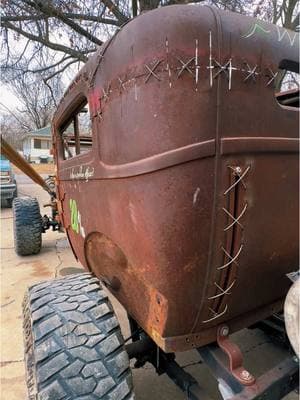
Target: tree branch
{"x": 60, "y": 70}
{"x": 51, "y": 91}
{"x": 295, "y": 22}
{"x": 51, "y": 11}
{"x": 134, "y": 8}
{"x": 116, "y": 11}
{"x": 16, "y": 18}
{"x": 83, "y": 17}
{"x": 15, "y": 116}
{"x": 94, "y": 18}
{"x": 51, "y": 45}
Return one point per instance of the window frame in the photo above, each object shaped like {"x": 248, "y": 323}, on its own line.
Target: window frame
{"x": 71, "y": 117}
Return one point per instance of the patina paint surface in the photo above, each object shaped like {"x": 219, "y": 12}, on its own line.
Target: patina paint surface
{"x": 186, "y": 207}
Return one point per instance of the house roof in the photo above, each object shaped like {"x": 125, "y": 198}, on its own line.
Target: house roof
{"x": 46, "y": 132}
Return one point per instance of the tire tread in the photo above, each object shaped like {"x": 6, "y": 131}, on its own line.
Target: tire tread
{"x": 72, "y": 354}
{"x": 27, "y": 226}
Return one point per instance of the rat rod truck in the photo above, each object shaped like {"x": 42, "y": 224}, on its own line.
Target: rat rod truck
{"x": 180, "y": 195}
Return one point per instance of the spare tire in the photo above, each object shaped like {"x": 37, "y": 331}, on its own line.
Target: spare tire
{"x": 27, "y": 226}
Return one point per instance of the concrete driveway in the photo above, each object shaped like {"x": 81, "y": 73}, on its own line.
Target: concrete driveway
{"x": 57, "y": 260}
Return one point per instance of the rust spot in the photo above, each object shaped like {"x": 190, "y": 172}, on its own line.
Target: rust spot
{"x": 103, "y": 255}
{"x": 158, "y": 311}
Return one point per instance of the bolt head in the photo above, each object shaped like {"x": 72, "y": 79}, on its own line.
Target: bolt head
{"x": 224, "y": 331}
{"x": 246, "y": 375}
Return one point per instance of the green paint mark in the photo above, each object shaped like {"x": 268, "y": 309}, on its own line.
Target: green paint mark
{"x": 74, "y": 216}
{"x": 256, "y": 28}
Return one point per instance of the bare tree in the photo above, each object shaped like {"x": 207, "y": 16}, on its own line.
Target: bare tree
{"x": 282, "y": 12}
{"x": 37, "y": 101}
{"x": 36, "y": 104}
{"x": 60, "y": 33}
{"x": 11, "y": 130}
{"x": 68, "y": 30}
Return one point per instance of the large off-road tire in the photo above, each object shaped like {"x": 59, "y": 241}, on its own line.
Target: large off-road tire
{"x": 74, "y": 348}
{"x": 27, "y": 226}
{"x": 10, "y": 201}
{"x": 16, "y": 191}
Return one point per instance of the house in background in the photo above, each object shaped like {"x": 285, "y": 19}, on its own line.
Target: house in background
{"x": 37, "y": 145}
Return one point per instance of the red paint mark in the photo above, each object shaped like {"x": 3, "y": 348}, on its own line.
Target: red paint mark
{"x": 95, "y": 101}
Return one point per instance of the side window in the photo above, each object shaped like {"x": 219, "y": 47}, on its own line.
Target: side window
{"x": 76, "y": 134}
{"x": 44, "y": 144}
{"x": 37, "y": 144}
{"x": 287, "y": 84}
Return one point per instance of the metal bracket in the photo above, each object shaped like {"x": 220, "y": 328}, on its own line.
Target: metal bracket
{"x": 234, "y": 383}
{"x": 235, "y": 357}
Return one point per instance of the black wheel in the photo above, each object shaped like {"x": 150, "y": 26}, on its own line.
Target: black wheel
{"x": 27, "y": 226}
{"x": 74, "y": 348}
{"x": 16, "y": 191}
{"x": 9, "y": 202}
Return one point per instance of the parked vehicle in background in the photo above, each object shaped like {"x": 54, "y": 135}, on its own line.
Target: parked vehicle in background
{"x": 8, "y": 184}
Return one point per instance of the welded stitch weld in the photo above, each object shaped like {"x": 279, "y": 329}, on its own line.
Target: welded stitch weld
{"x": 251, "y": 72}
{"x": 235, "y": 220}
{"x": 236, "y": 171}
{"x": 227, "y": 69}
{"x": 210, "y": 66}
{"x": 197, "y": 66}
{"x": 106, "y": 93}
{"x": 151, "y": 71}
{"x": 273, "y": 76}
{"x": 223, "y": 291}
{"x": 241, "y": 176}
{"x": 216, "y": 315}
{"x": 232, "y": 259}
{"x": 185, "y": 66}
{"x": 192, "y": 66}
{"x": 121, "y": 84}
{"x": 168, "y": 63}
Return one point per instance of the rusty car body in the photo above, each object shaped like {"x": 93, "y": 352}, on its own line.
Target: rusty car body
{"x": 188, "y": 197}
{"x": 181, "y": 192}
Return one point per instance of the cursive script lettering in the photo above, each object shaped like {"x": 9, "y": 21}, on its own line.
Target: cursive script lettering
{"x": 82, "y": 173}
